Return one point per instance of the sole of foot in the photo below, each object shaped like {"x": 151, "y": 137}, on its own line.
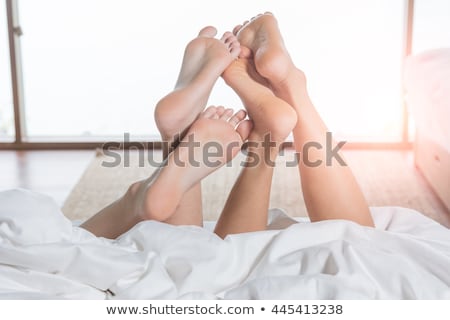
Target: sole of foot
{"x": 269, "y": 113}
{"x": 262, "y": 36}
{"x": 213, "y": 139}
{"x": 204, "y": 60}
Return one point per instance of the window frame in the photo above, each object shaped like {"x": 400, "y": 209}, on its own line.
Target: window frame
{"x": 21, "y": 143}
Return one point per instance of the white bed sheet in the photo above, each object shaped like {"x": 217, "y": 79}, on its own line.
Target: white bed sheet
{"x": 427, "y": 84}
{"x": 42, "y": 255}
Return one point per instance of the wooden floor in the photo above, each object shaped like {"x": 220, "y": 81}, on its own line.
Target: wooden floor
{"x": 51, "y": 172}
{"x": 55, "y": 173}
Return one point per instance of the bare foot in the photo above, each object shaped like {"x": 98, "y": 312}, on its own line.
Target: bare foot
{"x": 262, "y": 36}
{"x": 213, "y": 139}
{"x": 269, "y": 113}
{"x": 205, "y": 59}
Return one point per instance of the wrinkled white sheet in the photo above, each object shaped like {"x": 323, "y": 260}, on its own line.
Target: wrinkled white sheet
{"x": 43, "y": 256}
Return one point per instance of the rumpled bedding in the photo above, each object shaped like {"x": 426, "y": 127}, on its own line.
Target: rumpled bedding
{"x": 44, "y": 256}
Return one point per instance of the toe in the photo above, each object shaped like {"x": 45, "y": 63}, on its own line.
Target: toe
{"x": 208, "y": 113}
{"x": 220, "y": 111}
{"x": 236, "y": 29}
{"x": 237, "y": 117}
{"x": 232, "y": 40}
{"x": 227, "y": 114}
{"x": 244, "y": 128}
{"x": 234, "y": 48}
{"x": 235, "y": 51}
{"x": 208, "y": 32}
{"x": 227, "y": 37}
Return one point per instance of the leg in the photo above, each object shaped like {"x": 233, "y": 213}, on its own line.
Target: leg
{"x": 273, "y": 119}
{"x": 205, "y": 58}
{"x": 330, "y": 191}
{"x": 191, "y": 161}
{"x": 121, "y": 215}
{"x": 160, "y": 196}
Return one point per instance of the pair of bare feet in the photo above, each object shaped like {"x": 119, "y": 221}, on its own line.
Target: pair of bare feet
{"x": 255, "y": 64}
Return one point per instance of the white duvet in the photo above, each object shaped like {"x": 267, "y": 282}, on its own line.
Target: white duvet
{"x": 42, "y": 255}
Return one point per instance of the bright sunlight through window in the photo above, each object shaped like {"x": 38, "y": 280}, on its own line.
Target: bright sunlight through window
{"x": 96, "y": 68}
{"x": 6, "y": 103}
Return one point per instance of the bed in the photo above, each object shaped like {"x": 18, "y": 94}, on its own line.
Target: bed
{"x": 44, "y": 255}
{"x": 427, "y": 85}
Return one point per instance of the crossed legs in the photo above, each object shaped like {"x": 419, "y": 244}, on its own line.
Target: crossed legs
{"x": 204, "y": 60}
{"x": 179, "y": 117}
{"x": 274, "y": 93}
{"x": 272, "y": 118}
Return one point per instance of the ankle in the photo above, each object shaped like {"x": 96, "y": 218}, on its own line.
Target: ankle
{"x": 261, "y": 155}
{"x": 145, "y": 202}
{"x": 130, "y": 198}
{"x": 294, "y": 89}
{"x": 160, "y": 199}
{"x": 295, "y": 82}
{"x": 284, "y": 123}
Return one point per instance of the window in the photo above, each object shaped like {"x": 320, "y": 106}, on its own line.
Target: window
{"x": 352, "y": 53}
{"x": 6, "y": 104}
{"x": 431, "y": 25}
{"x": 96, "y": 68}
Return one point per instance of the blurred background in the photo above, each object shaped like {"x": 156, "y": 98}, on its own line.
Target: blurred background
{"x": 94, "y": 69}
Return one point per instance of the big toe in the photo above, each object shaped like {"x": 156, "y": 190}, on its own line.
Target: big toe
{"x": 208, "y": 32}
{"x": 244, "y": 129}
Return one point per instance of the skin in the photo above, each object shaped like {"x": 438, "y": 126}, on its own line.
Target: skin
{"x": 247, "y": 206}
{"x": 275, "y": 95}
{"x": 188, "y": 165}
{"x": 330, "y": 191}
{"x": 144, "y": 203}
{"x": 205, "y": 58}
